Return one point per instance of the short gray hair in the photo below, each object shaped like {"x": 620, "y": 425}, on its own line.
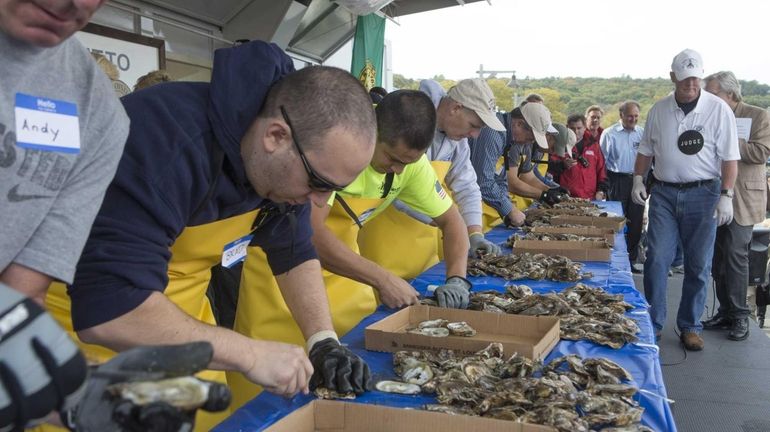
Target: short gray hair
{"x": 728, "y": 83}
{"x": 624, "y": 106}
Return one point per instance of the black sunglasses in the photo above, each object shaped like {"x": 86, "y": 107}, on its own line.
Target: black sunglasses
{"x": 315, "y": 181}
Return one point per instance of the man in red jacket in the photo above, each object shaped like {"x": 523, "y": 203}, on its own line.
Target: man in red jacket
{"x": 583, "y": 172}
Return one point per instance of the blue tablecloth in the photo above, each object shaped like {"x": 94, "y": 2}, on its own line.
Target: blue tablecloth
{"x": 640, "y": 359}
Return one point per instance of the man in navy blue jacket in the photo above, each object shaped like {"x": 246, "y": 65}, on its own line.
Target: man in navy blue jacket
{"x": 207, "y": 170}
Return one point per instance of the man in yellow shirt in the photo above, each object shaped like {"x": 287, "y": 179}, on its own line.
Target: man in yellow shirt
{"x": 399, "y": 169}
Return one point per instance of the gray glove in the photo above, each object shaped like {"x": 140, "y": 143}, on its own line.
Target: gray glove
{"x": 455, "y": 293}
{"x": 149, "y": 389}
{"x": 41, "y": 368}
{"x": 481, "y": 246}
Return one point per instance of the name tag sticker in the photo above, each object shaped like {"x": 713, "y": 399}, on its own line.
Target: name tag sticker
{"x": 46, "y": 124}
{"x": 235, "y": 251}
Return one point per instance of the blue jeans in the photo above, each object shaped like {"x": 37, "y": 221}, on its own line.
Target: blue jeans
{"x": 686, "y": 216}
{"x": 679, "y": 257}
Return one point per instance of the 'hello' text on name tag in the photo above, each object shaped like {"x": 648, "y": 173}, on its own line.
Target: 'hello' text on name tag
{"x": 47, "y": 124}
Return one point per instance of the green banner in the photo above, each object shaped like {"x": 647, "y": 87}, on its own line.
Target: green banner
{"x": 368, "y": 47}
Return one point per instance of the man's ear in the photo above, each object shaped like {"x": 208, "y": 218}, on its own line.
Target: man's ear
{"x": 275, "y": 135}
{"x": 673, "y": 77}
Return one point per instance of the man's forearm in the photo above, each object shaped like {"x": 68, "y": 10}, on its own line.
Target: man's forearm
{"x": 642, "y": 164}
{"x": 305, "y": 294}
{"x": 521, "y": 188}
{"x": 531, "y": 179}
{"x": 158, "y": 321}
{"x": 456, "y": 242}
{"x": 729, "y": 172}
{"x": 338, "y": 258}
{"x": 31, "y": 283}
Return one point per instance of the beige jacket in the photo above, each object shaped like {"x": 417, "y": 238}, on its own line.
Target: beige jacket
{"x": 751, "y": 184}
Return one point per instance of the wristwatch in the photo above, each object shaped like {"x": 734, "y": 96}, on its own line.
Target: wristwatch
{"x": 727, "y": 192}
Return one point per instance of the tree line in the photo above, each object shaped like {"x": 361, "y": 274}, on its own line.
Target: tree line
{"x": 565, "y": 96}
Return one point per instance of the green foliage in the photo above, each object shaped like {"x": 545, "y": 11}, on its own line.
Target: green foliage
{"x": 570, "y": 95}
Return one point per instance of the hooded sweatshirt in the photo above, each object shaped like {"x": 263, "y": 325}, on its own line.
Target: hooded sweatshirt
{"x": 182, "y": 167}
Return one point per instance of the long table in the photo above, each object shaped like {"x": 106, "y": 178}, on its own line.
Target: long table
{"x": 641, "y": 359}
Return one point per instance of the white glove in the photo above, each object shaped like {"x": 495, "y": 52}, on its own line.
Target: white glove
{"x": 639, "y": 191}
{"x": 724, "y": 212}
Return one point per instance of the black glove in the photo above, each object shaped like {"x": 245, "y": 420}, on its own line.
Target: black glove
{"x": 41, "y": 368}
{"x": 337, "y": 368}
{"x": 551, "y": 196}
{"x": 161, "y": 368}
{"x": 562, "y": 191}
{"x": 455, "y": 293}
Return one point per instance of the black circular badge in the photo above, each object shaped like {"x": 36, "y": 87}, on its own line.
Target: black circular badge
{"x": 690, "y": 142}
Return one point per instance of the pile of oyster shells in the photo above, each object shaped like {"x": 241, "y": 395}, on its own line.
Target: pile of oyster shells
{"x": 570, "y": 394}
{"x": 528, "y": 266}
{"x": 554, "y": 237}
{"x": 585, "y": 312}
{"x": 442, "y": 328}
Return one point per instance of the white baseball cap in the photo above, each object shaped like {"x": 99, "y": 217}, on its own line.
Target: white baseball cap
{"x": 476, "y": 95}
{"x": 538, "y": 118}
{"x": 687, "y": 64}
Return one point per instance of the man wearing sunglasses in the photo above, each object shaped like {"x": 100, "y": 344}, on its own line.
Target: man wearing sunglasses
{"x": 208, "y": 169}
{"x": 399, "y": 169}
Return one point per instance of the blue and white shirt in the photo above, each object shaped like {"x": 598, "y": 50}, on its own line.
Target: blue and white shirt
{"x": 619, "y": 146}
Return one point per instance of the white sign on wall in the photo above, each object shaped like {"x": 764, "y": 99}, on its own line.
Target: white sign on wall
{"x": 132, "y": 59}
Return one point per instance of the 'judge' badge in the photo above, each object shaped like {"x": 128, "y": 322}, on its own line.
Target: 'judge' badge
{"x": 46, "y": 124}
{"x": 690, "y": 142}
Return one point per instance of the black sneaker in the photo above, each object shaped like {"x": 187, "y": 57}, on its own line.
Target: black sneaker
{"x": 740, "y": 329}
{"x": 717, "y": 322}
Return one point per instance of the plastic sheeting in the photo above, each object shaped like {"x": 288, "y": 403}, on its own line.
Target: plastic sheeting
{"x": 640, "y": 359}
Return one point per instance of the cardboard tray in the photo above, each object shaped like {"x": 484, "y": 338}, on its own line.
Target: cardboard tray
{"x": 337, "y": 416}
{"x": 615, "y": 222}
{"x": 530, "y": 336}
{"x": 574, "y": 250}
{"x": 587, "y": 231}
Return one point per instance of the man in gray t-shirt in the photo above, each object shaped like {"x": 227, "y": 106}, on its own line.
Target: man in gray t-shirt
{"x": 61, "y": 136}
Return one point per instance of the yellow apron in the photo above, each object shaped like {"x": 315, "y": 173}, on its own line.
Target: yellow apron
{"x": 193, "y": 254}
{"x": 401, "y": 244}
{"x": 269, "y": 317}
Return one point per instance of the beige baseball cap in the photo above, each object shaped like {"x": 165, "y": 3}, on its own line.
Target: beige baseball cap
{"x": 687, "y": 64}
{"x": 538, "y": 118}
{"x": 475, "y": 94}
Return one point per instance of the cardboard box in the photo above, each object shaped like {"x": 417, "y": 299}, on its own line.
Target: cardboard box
{"x": 587, "y": 231}
{"x": 574, "y": 250}
{"x": 530, "y": 336}
{"x": 615, "y": 222}
{"x": 337, "y": 416}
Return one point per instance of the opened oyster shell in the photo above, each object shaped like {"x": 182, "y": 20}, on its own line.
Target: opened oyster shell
{"x": 397, "y": 387}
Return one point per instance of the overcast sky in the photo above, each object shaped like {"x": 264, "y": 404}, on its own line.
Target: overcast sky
{"x": 601, "y": 38}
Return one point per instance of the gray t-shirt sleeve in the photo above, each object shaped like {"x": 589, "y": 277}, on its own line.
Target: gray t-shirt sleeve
{"x": 57, "y": 242}
{"x": 520, "y": 157}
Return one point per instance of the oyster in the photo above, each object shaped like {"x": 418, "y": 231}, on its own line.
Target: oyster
{"x": 397, "y": 387}
{"x": 414, "y": 371}
{"x": 461, "y": 329}
{"x": 187, "y": 392}
{"x": 433, "y": 323}
{"x": 325, "y": 393}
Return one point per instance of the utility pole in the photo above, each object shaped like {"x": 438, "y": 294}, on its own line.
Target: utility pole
{"x": 484, "y": 74}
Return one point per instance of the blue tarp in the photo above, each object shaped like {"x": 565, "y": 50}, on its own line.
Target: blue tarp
{"x": 640, "y": 359}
